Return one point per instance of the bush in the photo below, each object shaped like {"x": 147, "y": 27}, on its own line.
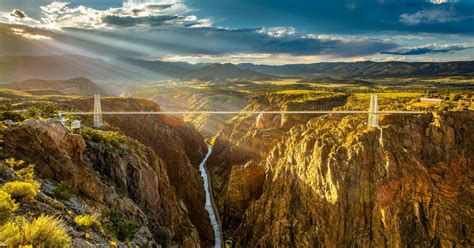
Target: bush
{"x": 12, "y": 115}
{"x": 7, "y": 206}
{"x": 21, "y": 191}
{"x": 87, "y": 221}
{"x": 119, "y": 227}
{"x": 25, "y": 171}
{"x": 105, "y": 137}
{"x": 44, "y": 231}
{"x": 164, "y": 235}
{"x": 63, "y": 191}
{"x": 15, "y": 164}
{"x": 455, "y": 97}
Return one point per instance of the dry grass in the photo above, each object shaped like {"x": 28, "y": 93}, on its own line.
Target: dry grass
{"x": 44, "y": 231}
{"x": 87, "y": 221}
{"x": 7, "y": 206}
{"x": 21, "y": 191}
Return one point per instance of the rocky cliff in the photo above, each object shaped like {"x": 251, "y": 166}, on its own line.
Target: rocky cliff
{"x": 177, "y": 143}
{"x": 127, "y": 177}
{"x": 331, "y": 183}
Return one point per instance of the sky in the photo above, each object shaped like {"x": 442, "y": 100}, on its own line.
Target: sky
{"x": 243, "y": 31}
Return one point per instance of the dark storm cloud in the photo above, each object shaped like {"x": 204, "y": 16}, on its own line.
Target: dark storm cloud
{"x": 129, "y": 21}
{"x": 430, "y": 49}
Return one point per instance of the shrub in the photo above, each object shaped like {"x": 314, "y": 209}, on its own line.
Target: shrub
{"x": 7, "y": 206}
{"x": 164, "y": 235}
{"x": 33, "y": 112}
{"x": 3, "y": 169}
{"x": 21, "y": 191}
{"x": 455, "y": 97}
{"x": 87, "y": 221}
{"x": 14, "y": 164}
{"x": 119, "y": 227}
{"x": 44, "y": 231}
{"x": 12, "y": 115}
{"x": 105, "y": 137}
{"x": 25, "y": 171}
{"x": 63, "y": 191}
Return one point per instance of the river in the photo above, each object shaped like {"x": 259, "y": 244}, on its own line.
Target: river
{"x": 209, "y": 206}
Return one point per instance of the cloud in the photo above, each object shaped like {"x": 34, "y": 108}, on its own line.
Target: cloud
{"x": 22, "y": 33}
{"x": 256, "y": 58}
{"x": 442, "y": 1}
{"x": 145, "y": 15}
{"x": 429, "y": 49}
{"x": 392, "y": 59}
{"x": 430, "y": 16}
{"x": 167, "y": 29}
{"x": 18, "y": 17}
{"x": 278, "y": 31}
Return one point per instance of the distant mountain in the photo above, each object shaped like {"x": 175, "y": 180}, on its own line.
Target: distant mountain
{"x": 164, "y": 69}
{"x": 131, "y": 71}
{"x": 121, "y": 70}
{"x": 369, "y": 69}
{"x": 76, "y": 86}
{"x": 224, "y": 72}
{"x": 16, "y": 68}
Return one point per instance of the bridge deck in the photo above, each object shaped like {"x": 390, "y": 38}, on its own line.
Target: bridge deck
{"x": 235, "y": 112}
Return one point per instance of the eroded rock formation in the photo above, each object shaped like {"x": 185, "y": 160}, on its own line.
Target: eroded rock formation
{"x": 177, "y": 143}
{"x": 331, "y": 183}
{"x": 129, "y": 177}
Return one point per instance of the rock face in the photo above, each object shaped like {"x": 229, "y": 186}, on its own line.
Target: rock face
{"x": 176, "y": 143}
{"x": 129, "y": 177}
{"x": 331, "y": 183}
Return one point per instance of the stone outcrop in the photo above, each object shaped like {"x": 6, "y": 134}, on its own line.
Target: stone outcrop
{"x": 129, "y": 177}
{"x": 331, "y": 183}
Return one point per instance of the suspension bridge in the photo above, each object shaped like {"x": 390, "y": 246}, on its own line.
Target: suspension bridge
{"x": 373, "y": 112}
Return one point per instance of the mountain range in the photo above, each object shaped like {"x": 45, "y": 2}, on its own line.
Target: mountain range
{"x": 127, "y": 70}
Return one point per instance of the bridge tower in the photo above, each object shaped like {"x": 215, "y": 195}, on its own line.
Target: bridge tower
{"x": 373, "y": 120}
{"x": 97, "y": 111}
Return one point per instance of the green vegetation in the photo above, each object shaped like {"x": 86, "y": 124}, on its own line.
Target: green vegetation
{"x": 119, "y": 227}
{"x": 164, "y": 235}
{"x": 44, "y": 110}
{"x": 13, "y": 94}
{"x": 12, "y": 115}
{"x": 63, "y": 191}
{"x": 113, "y": 138}
{"x": 87, "y": 221}
{"x": 20, "y": 191}
{"x": 43, "y": 231}
{"x": 7, "y": 206}
{"x": 455, "y": 97}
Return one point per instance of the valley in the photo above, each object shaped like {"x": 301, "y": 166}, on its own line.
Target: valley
{"x": 273, "y": 180}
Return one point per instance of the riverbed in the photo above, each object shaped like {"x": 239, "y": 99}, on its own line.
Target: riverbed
{"x": 209, "y": 203}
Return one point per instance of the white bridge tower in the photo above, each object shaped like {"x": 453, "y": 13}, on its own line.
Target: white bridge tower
{"x": 97, "y": 111}
{"x": 373, "y": 120}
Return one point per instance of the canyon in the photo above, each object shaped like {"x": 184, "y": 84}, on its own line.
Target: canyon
{"x": 269, "y": 180}
{"x": 330, "y": 182}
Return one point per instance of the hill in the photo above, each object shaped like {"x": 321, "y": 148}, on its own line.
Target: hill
{"x": 225, "y": 72}
{"x": 120, "y": 70}
{"x": 128, "y": 70}
{"x": 76, "y": 86}
{"x": 369, "y": 69}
